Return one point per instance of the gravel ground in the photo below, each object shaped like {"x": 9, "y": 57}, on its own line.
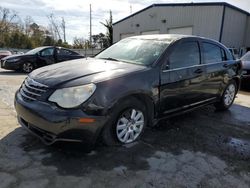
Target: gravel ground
{"x": 203, "y": 148}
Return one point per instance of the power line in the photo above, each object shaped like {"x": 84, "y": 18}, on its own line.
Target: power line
{"x": 90, "y": 28}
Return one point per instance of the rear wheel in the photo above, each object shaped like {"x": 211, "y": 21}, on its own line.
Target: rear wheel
{"x": 127, "y": 123}
{"x": 228, "y": 96}
{"x": 27, "y": 67}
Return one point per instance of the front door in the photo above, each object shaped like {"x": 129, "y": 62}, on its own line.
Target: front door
{"x": 182, "y": 80}
{"x": 46, "y": 57}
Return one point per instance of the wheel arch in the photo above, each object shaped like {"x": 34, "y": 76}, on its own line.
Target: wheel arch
{"x": 146, "y": 100}
{"x": 27, "y": 61}
{"x": 238, "y": 81}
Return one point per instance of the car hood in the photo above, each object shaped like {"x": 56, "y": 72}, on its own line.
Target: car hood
{"x": 91, "y": 69}
{"x": 18, "y": 56}
{"x": 246, "y": 65}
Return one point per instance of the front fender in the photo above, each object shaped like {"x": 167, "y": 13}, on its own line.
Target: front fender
{"x": 110, "y": 92}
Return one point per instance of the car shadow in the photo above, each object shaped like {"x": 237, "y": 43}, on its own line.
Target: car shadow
{"x": 11, "y": 73}
{"x": 221, "y": 134}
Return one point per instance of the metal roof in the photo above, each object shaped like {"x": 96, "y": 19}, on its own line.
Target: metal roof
{"x": 186, "y": 4}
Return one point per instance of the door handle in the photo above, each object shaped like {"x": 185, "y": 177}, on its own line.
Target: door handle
{"x": 225, "y": 65}
{"x": 198, "y": 71}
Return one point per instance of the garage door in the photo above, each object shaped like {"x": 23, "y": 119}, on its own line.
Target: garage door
{"x": 125, "y": 35}
{"x": 181, "y": 30}
{"x": 150, "y": 32}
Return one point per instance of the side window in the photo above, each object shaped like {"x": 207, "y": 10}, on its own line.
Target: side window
{"x": 185, "y": 55}
{"x": 213, "y": 53}
{"x": 47, "y": 52}
{"x": 64, "y": 52}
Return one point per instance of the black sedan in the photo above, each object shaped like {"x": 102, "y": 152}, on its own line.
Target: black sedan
{"x": 38, "y": 57}
{"x": 132, "y": 84}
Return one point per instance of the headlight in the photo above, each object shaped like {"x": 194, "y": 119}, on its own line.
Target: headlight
{"x": 13, "y": 60}
{"x": 73, "y": 96}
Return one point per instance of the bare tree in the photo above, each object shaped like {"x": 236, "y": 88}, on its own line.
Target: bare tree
{"x": 54, "y": 27}
{"x": 7, "y": 17}
{"x": 27, "y": 23}
{"x": 7, "y": 22}
{"x": 80, "y": 43}
{"x": 109, "y": 27}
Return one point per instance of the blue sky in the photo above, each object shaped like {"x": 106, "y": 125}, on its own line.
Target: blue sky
{"x": 76, "y": 12}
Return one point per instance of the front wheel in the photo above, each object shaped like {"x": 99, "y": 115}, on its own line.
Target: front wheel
{"x": 27, "y": 67}
{"x": 228, "y": 96}
{"x": 127, "y": 123}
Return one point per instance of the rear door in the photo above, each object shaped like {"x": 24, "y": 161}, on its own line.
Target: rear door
{"x": 216, "y": 65}
{"x": 181, "y": 81}
{"x": 63, "y": 54}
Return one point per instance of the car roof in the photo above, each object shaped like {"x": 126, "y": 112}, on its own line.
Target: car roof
{"x": 173, "y": 37}
{"x": 59, "y": 47}
{"x": 161, "y": 36}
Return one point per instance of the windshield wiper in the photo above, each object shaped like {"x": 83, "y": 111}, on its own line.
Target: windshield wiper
{"x": 110, "y": 58}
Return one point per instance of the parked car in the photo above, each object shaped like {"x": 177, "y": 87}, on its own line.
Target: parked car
{"x": 17, "y": 52}
{"x": 4, "y": 53}
{"x": 132, "y": 84}
{"x": 38, "y": 57}
{"x": 234, "y": 52}
{"x": 246, "y": 69}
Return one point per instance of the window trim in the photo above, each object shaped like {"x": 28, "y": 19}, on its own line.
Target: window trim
{"x": 176, "y": 46}
{"x": 221, "y": 50}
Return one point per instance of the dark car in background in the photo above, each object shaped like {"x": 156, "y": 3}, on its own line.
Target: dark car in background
{"x": 246, "y": 69}
{"x": 132, "y": 84}
{"x": 38, "y": 57}
{"x": 4, "y": 53}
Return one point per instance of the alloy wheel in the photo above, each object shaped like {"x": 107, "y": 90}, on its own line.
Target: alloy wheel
{"x": 27, "y": 67}
{"x": 130, "y": 125}
{"x": 229, "y": 94}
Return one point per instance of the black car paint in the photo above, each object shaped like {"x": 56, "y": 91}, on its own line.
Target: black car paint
{"x": 157, "y": 86}
{"x": 36, "y": 59}
{"x": 246, "y": 70}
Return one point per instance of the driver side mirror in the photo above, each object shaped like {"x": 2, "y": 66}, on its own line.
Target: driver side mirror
{"x": 166, "y": 66}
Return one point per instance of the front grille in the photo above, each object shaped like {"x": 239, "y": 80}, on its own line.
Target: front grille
{"x": 32, "y": 90}
{"x": 47, "y": 137}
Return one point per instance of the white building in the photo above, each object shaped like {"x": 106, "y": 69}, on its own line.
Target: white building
{"x": 220, "y": 21}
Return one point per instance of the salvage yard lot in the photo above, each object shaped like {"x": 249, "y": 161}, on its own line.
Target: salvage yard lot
{"x": 202, "y": 148}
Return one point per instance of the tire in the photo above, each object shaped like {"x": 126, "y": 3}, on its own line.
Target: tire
{"x": 27, "y": 67}
{"x": 228, "y": 97}
{"x": 127, "y": 123}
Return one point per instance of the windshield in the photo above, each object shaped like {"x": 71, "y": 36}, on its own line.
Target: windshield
{"x": 246, "y": 57}
{"x": 134, "y": 50}
{"x": 34, "y": 51}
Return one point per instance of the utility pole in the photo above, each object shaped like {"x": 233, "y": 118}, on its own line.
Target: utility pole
{"x": 63, "y": 28}
{"x": 90, "y": 24}
{"x": 130, "y": 9}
